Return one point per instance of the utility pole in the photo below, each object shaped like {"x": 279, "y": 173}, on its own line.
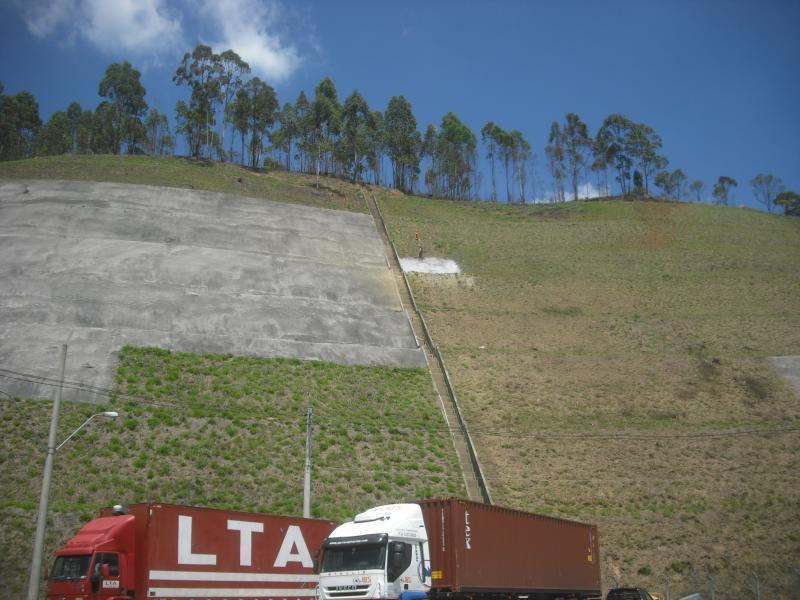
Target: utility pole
{"x": 307, "y": 479}
{"x": 757, "y": 588}
{"x": 666, "y": 587}
{"x": 38, "y": 544}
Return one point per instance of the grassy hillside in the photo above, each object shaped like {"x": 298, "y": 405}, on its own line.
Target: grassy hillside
{"x": 226, "y": 432}
{"x": 599, "y": 349}
{"x": 189, "y": 173}
{"x": 610, "y": 357}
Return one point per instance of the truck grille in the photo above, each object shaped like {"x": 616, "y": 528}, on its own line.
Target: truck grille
{"x": 347, "y": 591}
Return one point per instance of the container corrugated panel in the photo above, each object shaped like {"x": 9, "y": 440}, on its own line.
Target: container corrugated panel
{"x": 482, "y": 548}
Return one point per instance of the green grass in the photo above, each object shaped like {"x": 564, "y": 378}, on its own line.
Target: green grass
{"x": 226, "y": 432}
{"x": 189, "y": 173}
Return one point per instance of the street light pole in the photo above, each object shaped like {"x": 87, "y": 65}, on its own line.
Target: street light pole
{"x": 36, "y": 562}
{"x": 110, "y": 413}
{"x": 307, "y": 477}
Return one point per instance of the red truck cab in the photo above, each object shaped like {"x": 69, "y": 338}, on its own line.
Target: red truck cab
{"x": 97, "y": 563}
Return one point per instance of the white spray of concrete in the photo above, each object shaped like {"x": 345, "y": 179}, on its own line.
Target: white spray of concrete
{"x": 439, "y": 266}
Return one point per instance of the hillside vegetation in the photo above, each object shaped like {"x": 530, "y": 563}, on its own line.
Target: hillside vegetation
{"x": 610, "y": 358}
{"x": 225, "y": 432}
{"x": 607, "y": 353}
{"x": 201, "y": 174}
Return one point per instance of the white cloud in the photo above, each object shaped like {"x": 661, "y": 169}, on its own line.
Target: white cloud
{"x": 135, "y": 27}
{"x": 251, "y": 29}
{"x": 138, "y": 26}
{"x": 43, "y": 18}
{"x": 154, "y": 29}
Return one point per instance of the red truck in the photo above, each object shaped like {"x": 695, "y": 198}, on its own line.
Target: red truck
{"x": 166, "y": 551}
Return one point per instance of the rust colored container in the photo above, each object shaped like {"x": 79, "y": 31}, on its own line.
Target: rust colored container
{"x": 478, "y": 548}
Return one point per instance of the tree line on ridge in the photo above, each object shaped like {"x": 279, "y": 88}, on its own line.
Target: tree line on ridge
{"x": 320, "y": 135}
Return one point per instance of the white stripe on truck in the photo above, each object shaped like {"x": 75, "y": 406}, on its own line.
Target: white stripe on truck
{"x": 229, "y": 592}
{"x": 220, "y": 576}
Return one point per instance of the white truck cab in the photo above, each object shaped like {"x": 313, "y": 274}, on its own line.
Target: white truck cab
{"x": 381, "y": 554}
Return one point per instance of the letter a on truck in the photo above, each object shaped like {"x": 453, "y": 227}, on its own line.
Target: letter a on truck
{"x": 163, "y": 551}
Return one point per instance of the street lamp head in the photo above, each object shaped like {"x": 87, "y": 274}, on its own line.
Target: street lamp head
{"x": 111, "y": 413}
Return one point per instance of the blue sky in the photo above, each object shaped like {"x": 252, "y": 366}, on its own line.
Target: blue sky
{"x": 719, "y": 80}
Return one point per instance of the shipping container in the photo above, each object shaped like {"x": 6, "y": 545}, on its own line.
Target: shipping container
{"x": 165, "y": 551}
{"x": 478, "y": 547}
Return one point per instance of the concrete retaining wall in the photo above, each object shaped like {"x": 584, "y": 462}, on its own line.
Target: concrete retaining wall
{"x": 100, "y": 265}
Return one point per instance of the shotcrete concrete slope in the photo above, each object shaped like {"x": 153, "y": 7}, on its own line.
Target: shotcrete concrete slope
{"x": 100, "y": 265}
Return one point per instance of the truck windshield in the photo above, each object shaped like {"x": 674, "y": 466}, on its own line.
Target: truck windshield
{"x": 70, "y": 567}
{"x": 354, "y": 558}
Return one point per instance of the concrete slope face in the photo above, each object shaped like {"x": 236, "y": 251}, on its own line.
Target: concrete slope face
{"x": 98, "y": 266}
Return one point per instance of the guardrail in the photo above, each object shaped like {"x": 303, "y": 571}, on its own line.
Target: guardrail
{"x": 473, "y": 456}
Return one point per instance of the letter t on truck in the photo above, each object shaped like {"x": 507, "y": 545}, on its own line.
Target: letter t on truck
{"x": 164, "y": 551}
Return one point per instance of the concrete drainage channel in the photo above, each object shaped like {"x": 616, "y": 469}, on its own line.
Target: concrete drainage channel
{"x": 475, "y": 482}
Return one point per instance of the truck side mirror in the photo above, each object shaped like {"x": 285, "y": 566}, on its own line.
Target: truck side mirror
{"x": 106, "y": 571}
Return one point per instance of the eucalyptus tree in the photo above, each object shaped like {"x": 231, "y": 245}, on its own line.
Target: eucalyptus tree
{"x": 520, "y": 157}
{"x": 673, "y": 184}
{"x": 600, "y": 164}
{"x": 766, "y": 188}
{"x": 80, "y": 128}
{"x": 74, "y": 121}
{"x": 613, "y": 140}
{"x": 697, "y": 186}
{"x": 505, "y": 143}
{"x": 103, "y": 137}
{"x": 376, "y": 144}
{"x": 122, "y": 86}
{"x": 555, "y": 160}
{"x": 19, "y": 124}
{"x": 239, "y": 111}
{"x": 353, "y": 143}
{"x": 490, "y": 134}
{"x": 158, "y": 135}
{"x": 643, "y": 144}
{"x": 282, "y": 137}
{"x": 325, "y": 123}
{"x": 53, "y": 137}
{"x": 86, "y": 131}
{"x": 259, "y": 108}
{"x": 230, "y": 68}
{"x": 723, "y": 189}
{"x": 456, "y": 158}
{"x": 577, "y": 148}
{"x": 402, "y": 142}
{"x": 427, "y": 149}
{"x": 790, "y": 201}
{"x": 302, "y": 111}
{"x": 201, "y": 70}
